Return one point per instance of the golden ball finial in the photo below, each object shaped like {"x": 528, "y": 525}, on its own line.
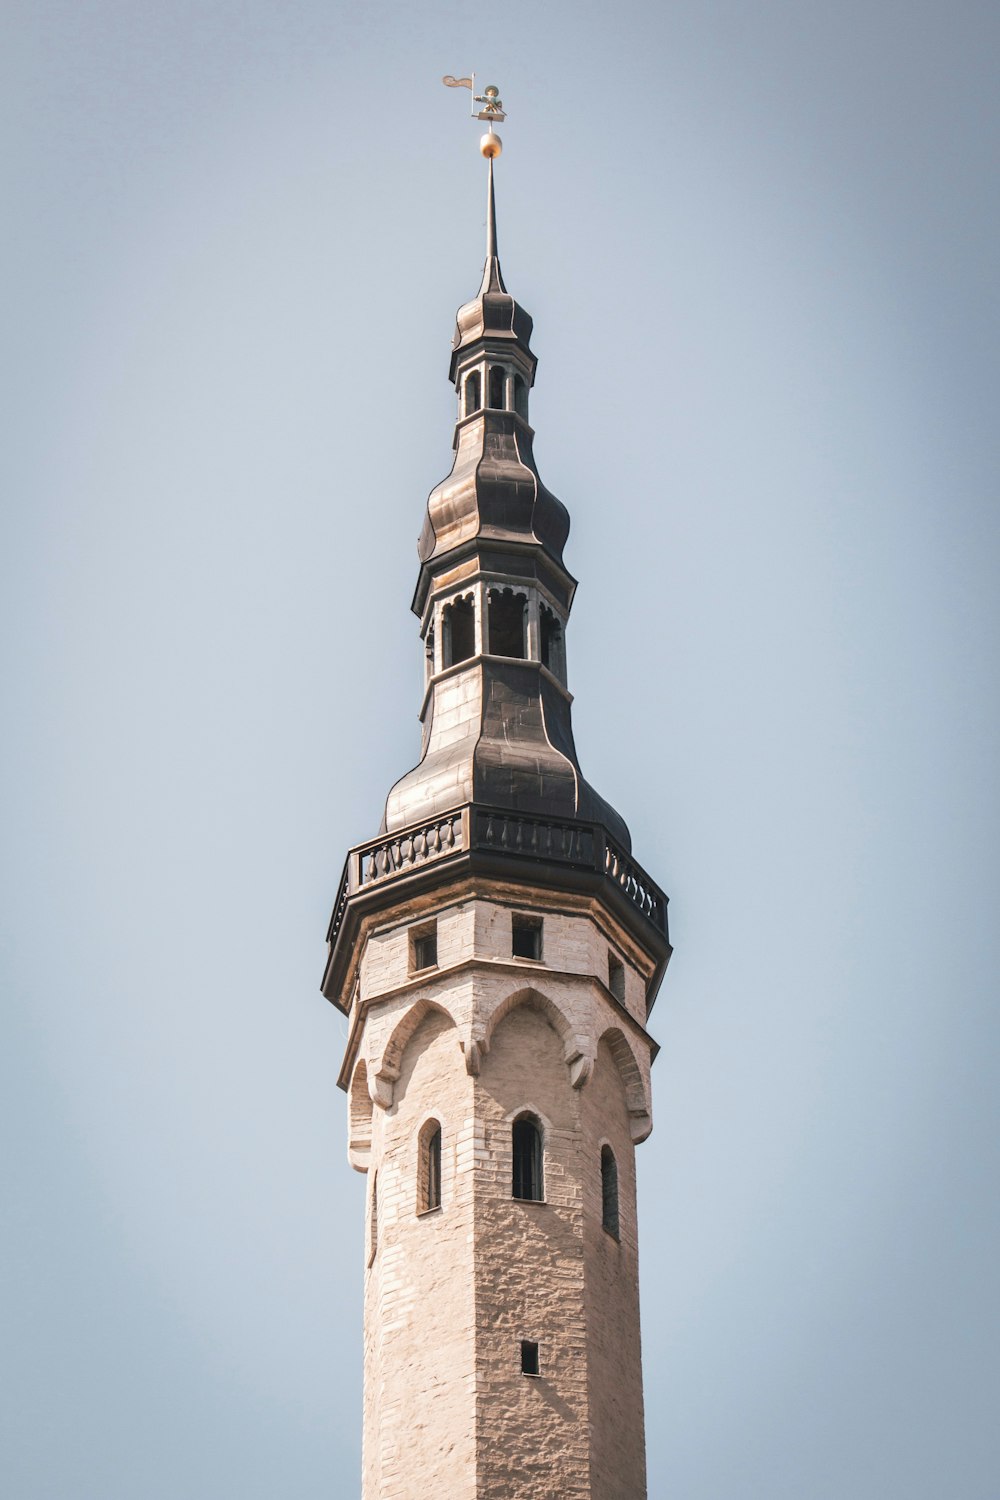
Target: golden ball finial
{"x": 491, "y": 145}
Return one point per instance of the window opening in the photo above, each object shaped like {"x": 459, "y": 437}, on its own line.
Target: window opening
{"x": 373, "y": 1220}
{"x": 526, "y": 1139}
{"x": 507, "y": 615}
{"x": 616, "y": 978}
{"x": 526, "y": 937}
{"x": 498, "y": 379}
{"x": 429, "y": 654}
{"x": 520, "y": 397}
{"x": 429, "y": 1185}
{"x": 460, "y": 631}
{"x": 473, "y": 390}
{"x": 423, "y": 947}
{"x": 551, "y": 642}
{"x": 609, "y": 1191}
{"x": 529, "y": 1357}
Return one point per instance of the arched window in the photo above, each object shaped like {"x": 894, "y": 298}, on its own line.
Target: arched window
{"x": 473, "y": 398}
{"x": 520, "y": 397}
{"x": 429, "y": 1184}
{"x": 526, "y": 1139}
{"x": 609, "y": 1190}
{"x": 498, "y": 379}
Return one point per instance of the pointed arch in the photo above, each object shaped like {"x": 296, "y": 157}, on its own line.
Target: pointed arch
{"x": 574, "y": 1050}
{"x": 359, "y": 1141}
{"x": 636, "y": 1092}
{"x": 392, "y": 1054}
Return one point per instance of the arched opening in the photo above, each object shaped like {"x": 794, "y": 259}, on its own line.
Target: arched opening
{"x": 521, "y": 397}
{"x": 526, "y": 1141}
{"x": 429, "y": 1168}
{"x": 473, "y": 393}
{"x": 550, "y": 630}
{"x": 429, "y": 656}
{"x": 507, "y": 619}
{"x": 609, "y": 1191}
{"x": 459, "y": 620}
{"x": 498, "y": 379}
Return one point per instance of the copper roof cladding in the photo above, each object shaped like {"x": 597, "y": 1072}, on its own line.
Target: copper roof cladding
{"x": 497, "y": 729}
{"x": 494, "y": 493}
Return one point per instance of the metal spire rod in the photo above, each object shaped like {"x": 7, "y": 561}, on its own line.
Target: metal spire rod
{"x": 491, "y": 217}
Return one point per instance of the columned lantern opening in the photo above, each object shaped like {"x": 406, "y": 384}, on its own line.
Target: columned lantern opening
{"x": 552, "y": 647}
{"x": 498, "y": 380}
{"x": 521, "y": 397}
{"x": 473, "y": 393}
{"x": 507, "y": 616}
{"x": 459, "y": 619}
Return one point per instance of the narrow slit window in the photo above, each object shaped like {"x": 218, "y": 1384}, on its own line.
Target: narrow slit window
{"x": 529, "y": 1357}
{"x": 460, "y": 631}
{"x": 429, "y": 655}
{"x": 507, "y": 618}
{"x": 373, "y": 1220}
{"x": 526, "y": 1140}
{"x": 520, "y": 397}
{"x": 429, "y": 1186}
{"x": 423, "y": 947}
{"x": 526, "y": 937}
{"x": 498, "y": 379}
{"x": 616, "y": 978}
{"x": 609, "y": 1191}
{"x": 473, "y": 393}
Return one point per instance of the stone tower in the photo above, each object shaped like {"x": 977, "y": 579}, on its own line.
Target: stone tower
{"x": 496, "y": 950}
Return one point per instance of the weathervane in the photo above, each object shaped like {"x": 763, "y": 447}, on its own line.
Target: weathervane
{"x": 492, "y": 111}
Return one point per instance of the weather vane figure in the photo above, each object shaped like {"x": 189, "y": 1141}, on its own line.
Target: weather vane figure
{"x": 492, "y": 111}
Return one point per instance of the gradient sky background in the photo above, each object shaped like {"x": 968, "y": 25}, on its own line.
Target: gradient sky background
{"x": 760, "y": 246}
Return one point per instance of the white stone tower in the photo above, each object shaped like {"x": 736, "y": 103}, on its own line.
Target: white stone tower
{"x": 497, "y": 950}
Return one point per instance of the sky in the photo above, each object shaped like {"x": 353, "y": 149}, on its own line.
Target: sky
{"x": 759, "y": 244}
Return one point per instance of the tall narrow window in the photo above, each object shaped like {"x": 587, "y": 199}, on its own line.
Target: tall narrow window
{"x": 373, "y": 1220}
{"x": 473, "y": 399}
{"x": 459, "y": 631}
{"x": 498, "y": 379}
{"x": 429, "y": 1185}
{"x": 520, "y": 397}
{"x": 616, "y": 978}
{"x": 526, "y": 1139}
{"x": 529, "y": 1357}
{"x": 507, "y": 613}
{"x": 609, "y": 1190}
{"x": 429, "y": 655}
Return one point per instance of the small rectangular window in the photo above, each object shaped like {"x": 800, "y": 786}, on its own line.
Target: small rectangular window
{"x": 423, "y": 947}
{"x": 616, "y": 978}
{"x": 526, "y": 937}
{"x": 529, "y": 1357}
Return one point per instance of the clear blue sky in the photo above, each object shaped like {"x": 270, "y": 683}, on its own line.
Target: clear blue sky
{"x": 760, "y": 246}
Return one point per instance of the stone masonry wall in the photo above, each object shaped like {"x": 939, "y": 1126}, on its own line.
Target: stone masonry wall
{"x": 450, "y": 1294}
{"x": 419, "y": 1316}
{"x": 611, "y": 1272}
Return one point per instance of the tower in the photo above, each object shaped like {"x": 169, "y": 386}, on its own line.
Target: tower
{"x": 496, "y": 950}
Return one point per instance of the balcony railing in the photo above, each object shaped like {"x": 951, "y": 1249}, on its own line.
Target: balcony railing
{"x": 577, "y": 845}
